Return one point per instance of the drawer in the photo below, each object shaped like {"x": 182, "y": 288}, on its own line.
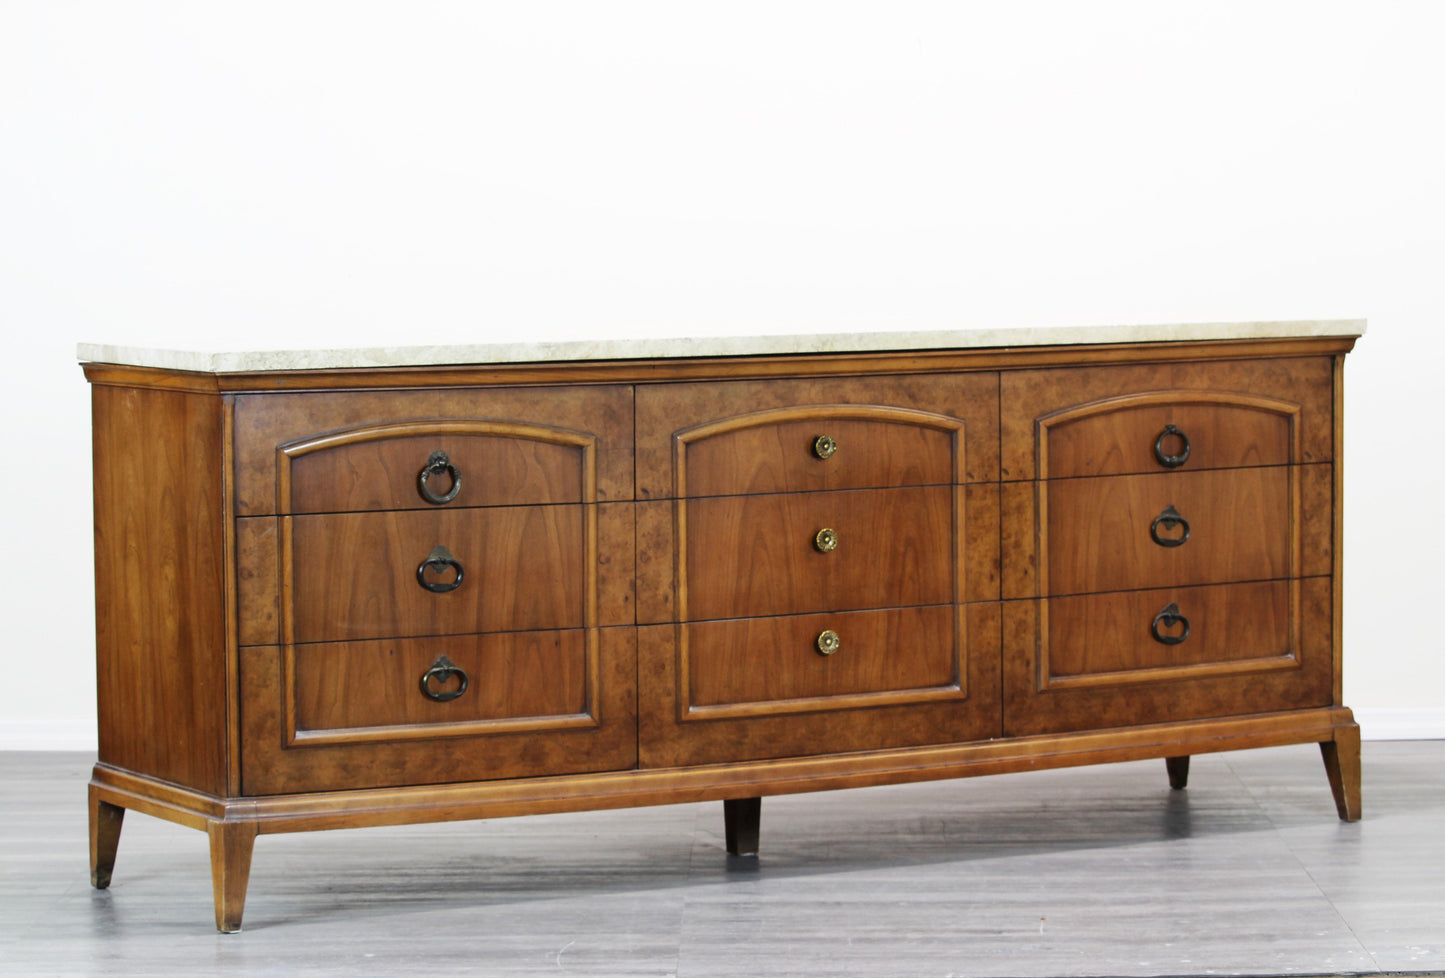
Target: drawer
{"x": 426, "y": 465}
{"x": 769, "y": 555}
{"x": 359, "y": 575}
{"x": 352, "y": 715}
{"x": 350, "y": 451}
{"x": 1115, "y": 420}
{"x": 1135, "y": 636}
{"x": 817, "y": 448}
{"x": 1143, "y": 531}
{"x": 870, "y": 652}
{"x": 1092, "y": 661}
{"x": 763, "y": 436}
{"x": 409, "y": 688}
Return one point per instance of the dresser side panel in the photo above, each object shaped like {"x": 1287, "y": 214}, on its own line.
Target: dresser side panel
{"x": 161, "y": 555}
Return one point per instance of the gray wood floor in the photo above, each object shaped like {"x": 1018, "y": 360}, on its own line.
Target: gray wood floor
{"x": 1091, "y": 871}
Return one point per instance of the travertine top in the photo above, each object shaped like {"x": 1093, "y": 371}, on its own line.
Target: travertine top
{"x": 702, "y": 346}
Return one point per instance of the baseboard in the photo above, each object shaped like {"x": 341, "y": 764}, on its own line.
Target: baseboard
{"x": 1376, "y": 723}
{"x": 1401, "y": 722}
{"x": 71, "y": 733}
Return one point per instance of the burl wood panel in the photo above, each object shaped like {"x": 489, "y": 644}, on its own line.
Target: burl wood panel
{"x": 1120, "y": 437}
{"x": 658, "y": 573}
{"x": 664, "y": 410}
{"x": 771, "y": 455}
{"x": 161, "y": 553}
{"x": 669, "y": 737}
{"x": 1029, "y": 395}
{"x": 773, "y": 660}
{"x": 756, "y": 555}
{"x": 384, "y": 473}
{"x": 1228, "y": 689}
{"x": 1107, "y": 637}
{"x": 270, "y": 766}
{"x": 354, "y": 576}
{"x": 1099, "y": 530}
{"x": 347, "y": 685}
{"x": 264, "y": 422}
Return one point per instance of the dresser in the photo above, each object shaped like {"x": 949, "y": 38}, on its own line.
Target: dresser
{"x": 351, "y": 588}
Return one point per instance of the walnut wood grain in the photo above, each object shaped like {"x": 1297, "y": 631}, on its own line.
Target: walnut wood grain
{"x": 378, "y": 467}
{"x": 773, "y": 664}
{"x": 1030, "y": 395}
{"x": 1032, "y": 706}
{"x": 1126, "y": 434}
{"x": 265, "y": 422}
{"x": 161, "y": 558}
{"x": 776, "y": 451}
{"x": 354, "y": 576}
{"x": 667, "y": 411}
{"x": 373, "y": 689}
{"x": 1106, "y": 639}
{"x": 756, "y": 555}
{"x": 670, "y": 737}
{"x": 1098, "y": 531}
{"x": 463, "y": 753}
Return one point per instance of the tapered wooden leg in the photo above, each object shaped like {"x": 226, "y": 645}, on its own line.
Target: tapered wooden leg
{"x": 741, "y": 821}
{"x": 105, "y": 822}
{"x": 231, "y": 845}
{"x": 1178, "y": 768}
{"x": 1342, "y": 764}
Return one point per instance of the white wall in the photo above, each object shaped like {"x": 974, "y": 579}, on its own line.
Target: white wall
{"x": 258, "y": 174}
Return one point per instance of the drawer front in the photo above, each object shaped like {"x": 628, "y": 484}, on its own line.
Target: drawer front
{"x": 771, "y": 555}
{"x": 813, "y": 449}
{"x": 814, "y": 661}
{"x": 747, "y": 690}
{"x": 1142, "y": 636}
{"x": 409, "y": 688}
{"x": 1143, "y": 531}
{"x": 359, "y": 576}
{"x": 345, "y": 451}
{"x": 423, "y": 465}
{"x": 1087, "y": 662}
{"x": 1068, "y": 422}
{"x": 763, "y": 436}
{"x": 337, "y": 717}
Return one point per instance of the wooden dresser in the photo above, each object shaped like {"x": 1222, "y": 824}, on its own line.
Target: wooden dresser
{"x": 338, "y": 589}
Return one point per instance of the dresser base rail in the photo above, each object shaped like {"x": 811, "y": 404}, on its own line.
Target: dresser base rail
{"x": 232, "y": 824}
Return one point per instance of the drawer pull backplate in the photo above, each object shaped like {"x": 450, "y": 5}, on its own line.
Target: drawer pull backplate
{"x": 828, "y": 642}
{"x": 824, "y": 446}
{"x": 826, "y": 540}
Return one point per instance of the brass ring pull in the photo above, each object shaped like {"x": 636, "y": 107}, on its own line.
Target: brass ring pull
{"x": 437, "y": 562}
{"x": 436, "y": 464}
{"x": 1165, "y": 459}
{"x": 443, "y": 670}
{"x": 1169, "y": 618}
{"x": 824, "y": 446}
{"x": 826, "y": 540}
{"x": 1169, "y": 519}
{"x": 828, "y": 642}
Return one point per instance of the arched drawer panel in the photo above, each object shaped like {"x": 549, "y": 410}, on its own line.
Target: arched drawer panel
{"x": 1162, "y": 431}
{"x": 430, "y": 464}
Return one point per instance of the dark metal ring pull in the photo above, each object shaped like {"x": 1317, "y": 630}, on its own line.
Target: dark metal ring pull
{"x": 1165, "y": 459}
{"x": 1169, "y": 618}
{"x": 436, "y": 464}
{"x": 1169, "y": 519}
{"x": 443, "y": 671}
{"x": 437, "y": 562}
